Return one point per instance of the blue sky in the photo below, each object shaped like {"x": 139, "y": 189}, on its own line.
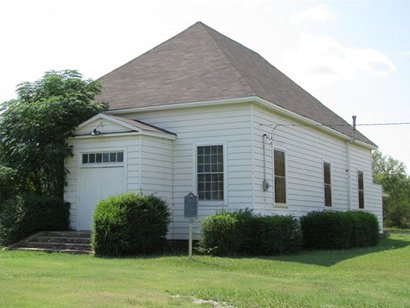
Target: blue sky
{"x": 352, "y": 55}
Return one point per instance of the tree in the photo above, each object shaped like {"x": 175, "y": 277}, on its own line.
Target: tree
{"x": 34, "y": 128}
{"x": 391, "y": 174}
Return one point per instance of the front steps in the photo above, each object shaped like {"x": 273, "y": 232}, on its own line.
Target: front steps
{"x": 77, "y": 242}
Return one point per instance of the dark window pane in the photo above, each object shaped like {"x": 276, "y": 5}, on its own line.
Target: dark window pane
{"x": 279, "y": 163}
{"x": 328, "y": 195}
{"x": 200, "y": 150}
{"x": 326, "y": 173}
{"x": 106, "y": 157}
{"x": 91, "y": 158}
{"x": 360, "y": 179}
{"x": 98, "y": 158}
{"x": 207, "y": 150}
{"x": 113, "y": 157}
{"x": 360, "y": 189}
{"x": 208, "y": 195}
{"x": 361, "y": 199}
{"x": 120, "y": 157}
{"x": 280, "y": 190}
{"x": 85, "y": 158}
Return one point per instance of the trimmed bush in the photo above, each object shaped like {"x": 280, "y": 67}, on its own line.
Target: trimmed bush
{"x": 242, "y": 233}
{"x": 221, "y": 233}
{"x": 26, "y": 214}
{"x": 339, "y": 230}
{"x": 130, "y": 224}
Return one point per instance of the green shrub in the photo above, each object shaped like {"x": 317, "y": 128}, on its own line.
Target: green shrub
{"x": 8, "y": 183}
{"x": 220, "y": 233}
{"x": 241, "y": 232}
{"x": 279, "y": 235}
{"x": 23, "y": 215}
{"x": 130, "y": 224}
{"x": 339, "y": 230}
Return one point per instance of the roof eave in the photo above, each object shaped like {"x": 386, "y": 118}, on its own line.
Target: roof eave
{"x": 246, "y": 99}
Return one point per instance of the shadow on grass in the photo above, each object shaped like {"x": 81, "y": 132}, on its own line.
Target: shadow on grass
{"x": 332, "y": 257}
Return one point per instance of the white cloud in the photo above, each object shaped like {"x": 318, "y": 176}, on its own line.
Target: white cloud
{"x": 321, "y": 59}
{"x": 318, "y": 14}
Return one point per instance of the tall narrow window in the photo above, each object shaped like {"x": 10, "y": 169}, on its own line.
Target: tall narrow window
{"x": 327, "y": 184}
{"x": 280, "y": 177}
{"x": 360, "y": 189}
{"x": 210, "y": 168}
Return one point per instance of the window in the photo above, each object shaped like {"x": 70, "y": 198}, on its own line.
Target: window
{"x": 210, "y": 172}
{"x": 361, "y": 189}
{"x": 102, "y": 158}
{"x": 327, "y": 184}
{"x": 280, "y": 177}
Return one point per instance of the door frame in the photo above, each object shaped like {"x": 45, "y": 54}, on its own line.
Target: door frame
{"x": 80, "y": 166}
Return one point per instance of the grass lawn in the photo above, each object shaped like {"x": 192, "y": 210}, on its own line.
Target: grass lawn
{"x": 378, "y": 276}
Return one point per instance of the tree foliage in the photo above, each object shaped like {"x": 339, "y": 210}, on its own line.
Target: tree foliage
{"x": 391, "y": 174}
{"x": 34, "y": 128}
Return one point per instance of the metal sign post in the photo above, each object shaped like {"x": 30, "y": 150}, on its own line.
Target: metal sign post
{"x": 191, "y": 212}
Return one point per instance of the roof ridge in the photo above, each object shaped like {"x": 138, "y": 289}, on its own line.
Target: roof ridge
{"x": 241, "y": 78}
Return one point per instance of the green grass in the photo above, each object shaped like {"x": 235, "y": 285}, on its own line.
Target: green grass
{"x": 371, "y": 277}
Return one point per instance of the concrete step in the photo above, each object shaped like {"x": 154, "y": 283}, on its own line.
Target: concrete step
{"x": 61, "y": 239}
{"x": 56, "y": 241}
{"x": 51, "y": 245}
{"x": 77, "y": 234}
{"x": 72, "y": 251}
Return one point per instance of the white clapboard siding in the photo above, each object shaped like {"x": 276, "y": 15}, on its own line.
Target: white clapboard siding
{"x": 129, "y": 144}
{"x": 225, "y": 124}
{"x": 306, "y": 150}
{"x": 165, "y": 168}
{"x": 361, "y": 160}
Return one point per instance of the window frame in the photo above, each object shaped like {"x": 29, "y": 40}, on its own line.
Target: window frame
{"x": 279, "y": 204}
{"x": 359, "y": 205}
{"x": 330, "y": 184}
{"x": 195, "y": 173}
{"x": 102, "y": 164}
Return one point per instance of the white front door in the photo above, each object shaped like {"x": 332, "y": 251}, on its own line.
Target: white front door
{"x": 97, "y": 183}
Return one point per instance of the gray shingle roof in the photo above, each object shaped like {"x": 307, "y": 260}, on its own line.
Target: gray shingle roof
{"x": 201, "y": 64}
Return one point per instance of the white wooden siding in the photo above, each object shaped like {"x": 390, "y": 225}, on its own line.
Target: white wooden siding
{"x": 130, "y": 145}
{"x": 227, "y": 124}
{"x": 165, "y": 168}
{"x": 306, "y": 149}
{"x": 361, "y": 160}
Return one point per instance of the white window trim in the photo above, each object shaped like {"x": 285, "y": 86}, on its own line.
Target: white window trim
{"x": 100, "y": 165}
{"x": 331, "y": 183}
{"x": 195, "y": 173}
{"x": 275, "y": 204}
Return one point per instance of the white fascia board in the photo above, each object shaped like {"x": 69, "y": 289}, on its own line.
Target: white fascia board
{"x": 248, "y": 99}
